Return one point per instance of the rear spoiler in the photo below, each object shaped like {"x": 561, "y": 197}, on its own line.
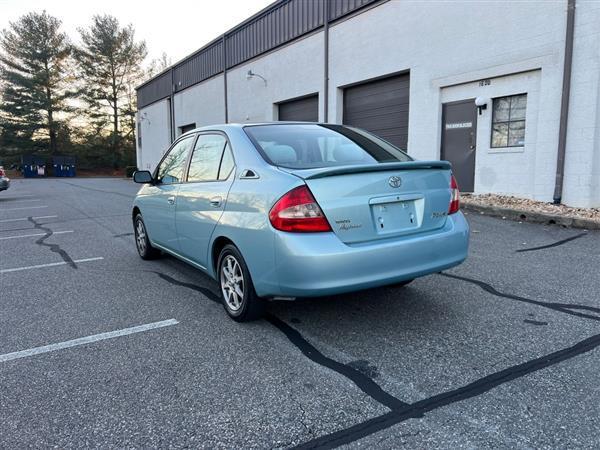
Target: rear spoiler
{"x": 311, "y": 174}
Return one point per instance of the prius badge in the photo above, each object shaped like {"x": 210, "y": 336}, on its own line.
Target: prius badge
{"x": 395, "y": 182}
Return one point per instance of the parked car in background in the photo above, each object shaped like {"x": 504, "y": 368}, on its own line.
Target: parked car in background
{"x": 4, "y": 180}
{"x": 286, "y": 210}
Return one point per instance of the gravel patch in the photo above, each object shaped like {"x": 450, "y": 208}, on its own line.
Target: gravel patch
{"x": 526, "y": 205}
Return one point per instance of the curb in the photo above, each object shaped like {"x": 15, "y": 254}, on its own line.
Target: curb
{"x": 532, "y": 217}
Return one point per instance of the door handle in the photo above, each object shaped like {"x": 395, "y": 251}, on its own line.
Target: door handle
{"x": 171, "y": 200}
{"x": 215, "y": 202}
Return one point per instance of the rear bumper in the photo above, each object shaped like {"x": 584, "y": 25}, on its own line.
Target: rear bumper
{"x": 4, "y": 184}
{"x": 310, "y": 265}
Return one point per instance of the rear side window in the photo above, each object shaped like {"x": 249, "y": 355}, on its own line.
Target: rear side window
{"x": 226, "y": 163}
{"x": 211, "y": 160}
{"x": 307, "y": 146}
{"x": 172, "y": 166}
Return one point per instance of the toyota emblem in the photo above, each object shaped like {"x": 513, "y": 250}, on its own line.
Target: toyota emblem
{"x": 395, "y": 182}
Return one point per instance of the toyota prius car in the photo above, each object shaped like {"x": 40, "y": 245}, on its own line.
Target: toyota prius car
{"x": 287, "y": 210}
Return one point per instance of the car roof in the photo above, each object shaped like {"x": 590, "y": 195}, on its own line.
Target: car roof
{"x": 237, "y": 126}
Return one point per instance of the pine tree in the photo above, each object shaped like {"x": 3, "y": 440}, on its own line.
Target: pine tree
{"x": 109, "y": 61}
{"x": 34, "y": 61}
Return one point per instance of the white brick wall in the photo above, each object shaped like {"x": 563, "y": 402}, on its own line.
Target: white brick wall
{"x": 156, "y": 134}
{"x": 202, "y": 104}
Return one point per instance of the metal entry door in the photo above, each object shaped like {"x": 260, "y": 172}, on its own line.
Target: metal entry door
{"x": 459, "y": 127}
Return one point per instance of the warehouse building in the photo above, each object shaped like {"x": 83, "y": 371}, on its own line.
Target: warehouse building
{"x": 509, "y": 92}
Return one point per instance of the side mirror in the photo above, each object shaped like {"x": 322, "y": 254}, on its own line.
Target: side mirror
{"x": 142, "y": 176}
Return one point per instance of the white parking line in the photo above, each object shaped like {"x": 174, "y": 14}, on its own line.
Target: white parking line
{"x": 33, "y": 235}
{"x": 40, "y": 266}
{"x": 27, "y": 218}
{"x": 24, "y": 207}
{"x": 86, "y": 340}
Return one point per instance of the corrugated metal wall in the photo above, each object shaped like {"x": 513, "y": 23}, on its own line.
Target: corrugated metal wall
{"x": 157, "y": 89}
{"x": 282, "y": 22}
{"x": 339, "y": 8}
{"x": 199, "y": 67}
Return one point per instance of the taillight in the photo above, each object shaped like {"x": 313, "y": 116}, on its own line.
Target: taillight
{"x": 454, "y": 196}
{"x": 298, "y": 211}
{"x": 2, "y": 173}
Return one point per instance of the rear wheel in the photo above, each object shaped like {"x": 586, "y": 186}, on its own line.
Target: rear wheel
{"x": 144, "y": 248}
{"x": 239, "y": 297}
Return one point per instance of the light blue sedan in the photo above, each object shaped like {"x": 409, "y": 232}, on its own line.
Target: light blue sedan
{"x": 286, "y": 210}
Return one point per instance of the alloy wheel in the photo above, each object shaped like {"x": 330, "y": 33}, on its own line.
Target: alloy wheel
{"x": 140, "y": 237}
{"x": 232, "y": 283}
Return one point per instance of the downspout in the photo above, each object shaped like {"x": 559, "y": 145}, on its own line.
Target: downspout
{"x": 564, "y": 104}
{"x": 326, "y": 62}
{"x": 172, "y": 105}
{"x": 225, "y": 77}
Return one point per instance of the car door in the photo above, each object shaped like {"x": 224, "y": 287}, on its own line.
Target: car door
{"x": 201, "y": 200}
{"x": 158, "y": 206}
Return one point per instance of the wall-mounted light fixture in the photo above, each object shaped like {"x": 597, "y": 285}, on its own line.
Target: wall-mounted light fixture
{"x": 481, "y": 103}
{"x": 250, "y": 75}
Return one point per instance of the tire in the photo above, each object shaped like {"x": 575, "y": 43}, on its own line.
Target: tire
{"x": 237, "y": 291}
{"x": 142, "y": 243}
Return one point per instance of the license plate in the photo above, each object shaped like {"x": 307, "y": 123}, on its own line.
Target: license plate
{"x": 394, "y": 216}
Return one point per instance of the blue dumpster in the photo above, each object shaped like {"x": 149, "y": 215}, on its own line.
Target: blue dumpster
{"x": 70, "y": 166}
{"x": 33, "y": 166}
{"x": 57, "y": 164}
{"x": 64, "y": 166}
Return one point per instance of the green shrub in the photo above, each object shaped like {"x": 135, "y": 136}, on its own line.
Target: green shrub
{"x": 129, "y": 171}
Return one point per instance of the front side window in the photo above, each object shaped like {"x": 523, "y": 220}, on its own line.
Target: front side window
{"x": 508, "y": 121}
{"x": 173, "y": 165}
{"x": 307, "y": 146}
{"x": 206, "y": 158}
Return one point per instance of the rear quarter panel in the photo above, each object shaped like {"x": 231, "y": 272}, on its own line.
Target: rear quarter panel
{"x": 245, "y": 220}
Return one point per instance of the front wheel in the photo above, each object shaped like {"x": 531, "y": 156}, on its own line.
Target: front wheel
{"x": 144, "y": 248}
{"x": 239, "y": 297}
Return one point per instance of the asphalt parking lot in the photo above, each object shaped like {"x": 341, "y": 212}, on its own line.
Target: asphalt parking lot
{"x": 101, "y": 349}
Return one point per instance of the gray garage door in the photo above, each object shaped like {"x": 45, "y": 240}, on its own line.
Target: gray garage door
{"x": 304, "y": 109}
{"x": 380, "y": 107}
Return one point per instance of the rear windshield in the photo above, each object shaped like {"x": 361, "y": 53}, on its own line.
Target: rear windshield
{"x": 308, "y": 146}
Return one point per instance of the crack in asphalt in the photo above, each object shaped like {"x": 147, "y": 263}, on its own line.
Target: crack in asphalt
{"x": 302, "y": 418}
{"x": 122, "y": 235}
{"x": 55, "y": 248}
{"x": 401, "y": 411}
{"x": 360, "y": 380}
{"x": 566, "y": 308}
{"x": 555, "y": 244}
{"x": 535, "y": 322}
{"x": 474, "y": 389}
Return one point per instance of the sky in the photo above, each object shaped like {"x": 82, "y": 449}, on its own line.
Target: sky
{"x": 177, "y": 28}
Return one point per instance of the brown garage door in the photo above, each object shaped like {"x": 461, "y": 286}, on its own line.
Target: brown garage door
{"x": 305, "y": 109}
{"x": 380, "y": 107}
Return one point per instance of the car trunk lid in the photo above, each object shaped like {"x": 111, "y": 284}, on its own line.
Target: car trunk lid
{"x": 372, "y": 202}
